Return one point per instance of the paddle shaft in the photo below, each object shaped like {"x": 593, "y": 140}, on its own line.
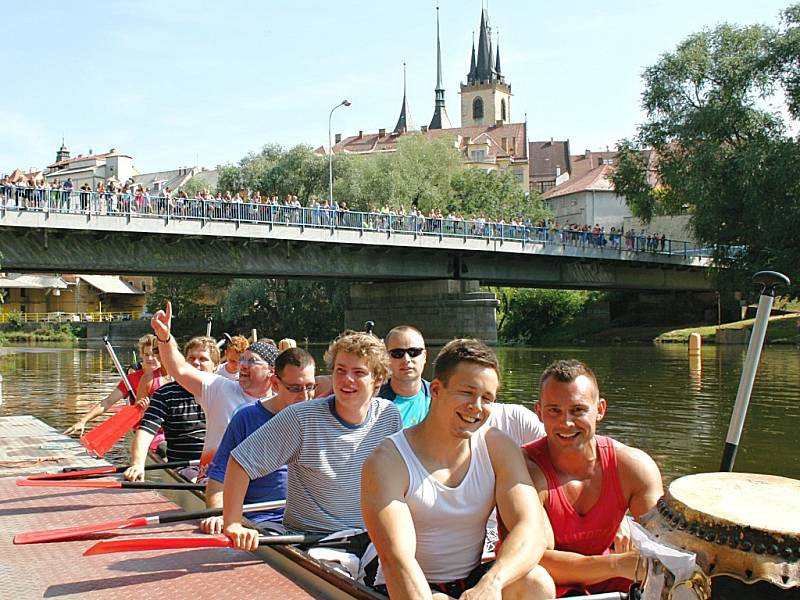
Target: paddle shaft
{"x": 87, "y": 471}
{"x": 211, "y": 512}
{"x": 120, "y": 370}
{"x": 769, "y": 281}
{"x": 110, "y": 484}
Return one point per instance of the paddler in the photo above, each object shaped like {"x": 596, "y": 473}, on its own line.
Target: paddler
{"x": 218, "y": 396}
{"x": 428, "y": 490}
{"x": 293, "y": 382}
{"x": 587, "y": 483}
{"x": 233, "y": 352}
{"x": 144, "y": 382}
{"x": 176, "y": 410}
{"x": 324, "y": 443}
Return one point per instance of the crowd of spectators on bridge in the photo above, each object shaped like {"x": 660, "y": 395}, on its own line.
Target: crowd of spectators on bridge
{"x": 112, "y": 198}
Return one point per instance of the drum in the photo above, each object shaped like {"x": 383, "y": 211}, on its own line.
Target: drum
{"x": 744, "y": 529}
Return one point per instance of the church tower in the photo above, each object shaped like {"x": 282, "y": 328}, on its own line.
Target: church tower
{"x": 440, "y": 119}
{"x": 404, "y": 122}
{"x": 486, "y": 97}
{"x": 63, "y": 153}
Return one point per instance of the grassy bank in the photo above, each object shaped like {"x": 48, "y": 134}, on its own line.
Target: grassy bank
{"x": 782, "y": 329}
{"x": 63, "y": 333}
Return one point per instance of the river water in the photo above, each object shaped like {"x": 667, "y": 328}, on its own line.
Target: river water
{"x": 657, "y": 400}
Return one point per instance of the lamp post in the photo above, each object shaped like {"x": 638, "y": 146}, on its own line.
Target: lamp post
{"x": 330, "y": 151}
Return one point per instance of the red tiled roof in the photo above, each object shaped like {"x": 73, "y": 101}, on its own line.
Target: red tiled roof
{"x": 545, "y": 157}
{"x": 595, "y": 180}
{"x": 79, "y": 158}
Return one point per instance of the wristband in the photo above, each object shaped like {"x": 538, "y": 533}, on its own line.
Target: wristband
{"x": 166, "y": 341}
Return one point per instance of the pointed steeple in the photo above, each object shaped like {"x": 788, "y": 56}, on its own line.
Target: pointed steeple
{"x": 404, "y": 121}
{"x": 63, "y": 152}
{"x": 497, "y": 61}
{"x": 440, "y": 119}
{"x": 484, "y": 58}
{"x": 473, "y": 69}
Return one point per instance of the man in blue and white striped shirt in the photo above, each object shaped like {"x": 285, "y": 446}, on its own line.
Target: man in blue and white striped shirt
{"x": 324, "y": 442}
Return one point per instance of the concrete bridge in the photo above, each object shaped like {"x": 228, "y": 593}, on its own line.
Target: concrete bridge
{"x": 453, "y": 258}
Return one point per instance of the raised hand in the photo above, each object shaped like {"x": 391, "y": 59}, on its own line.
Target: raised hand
{"x": 162, "y": 322}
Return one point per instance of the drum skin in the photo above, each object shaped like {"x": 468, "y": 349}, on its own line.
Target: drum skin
{"x": 740, "y": 525}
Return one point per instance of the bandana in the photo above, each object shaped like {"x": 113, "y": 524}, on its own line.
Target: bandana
{"x": 266, "y": 351}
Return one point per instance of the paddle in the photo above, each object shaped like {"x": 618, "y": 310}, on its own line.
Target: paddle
{"x": 768, "y": 280}
{"x": 109, "y": 484}
{"x": 208, "y": 541}
{"x": 100, "y": 439}
{"x": 69, "y": 533}
{"x": 85, "y": 473}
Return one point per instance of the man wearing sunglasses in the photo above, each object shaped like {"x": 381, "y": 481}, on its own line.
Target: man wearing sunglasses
{"x": 406, "y": 388}
{"x": 292, "y": 382}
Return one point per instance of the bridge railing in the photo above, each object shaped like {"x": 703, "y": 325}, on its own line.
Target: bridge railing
{"x": 139, "y": 206}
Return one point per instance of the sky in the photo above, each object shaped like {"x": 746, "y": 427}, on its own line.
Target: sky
{"x": 186, "y": 82}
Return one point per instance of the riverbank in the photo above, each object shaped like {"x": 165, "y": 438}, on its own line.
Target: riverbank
{"x": 61, "y": 333}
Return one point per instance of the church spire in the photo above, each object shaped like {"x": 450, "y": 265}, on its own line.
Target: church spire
{"x": 404, "y": 121}
{"x": 497, "y": 62}
{"x": 484, "y": 59}
{"x": 440, "y": 119}
{"x": 473, "y": 69}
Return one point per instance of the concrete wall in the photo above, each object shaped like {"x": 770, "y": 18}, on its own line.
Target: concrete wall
{"x": 441, "y": 310}
{"x": 118, "y": 330}
{"x": 606, "y": 209}
{"x": 675, "y": 228}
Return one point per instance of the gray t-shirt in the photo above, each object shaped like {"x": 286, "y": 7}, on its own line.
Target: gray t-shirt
{"x": 324, "y": 456}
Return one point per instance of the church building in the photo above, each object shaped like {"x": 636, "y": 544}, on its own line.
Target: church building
{"x": 487, "y": 138}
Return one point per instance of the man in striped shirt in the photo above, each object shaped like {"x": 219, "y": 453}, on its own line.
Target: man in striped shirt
{"x": 324, "y": 443}
{"x": 177, "y": 411}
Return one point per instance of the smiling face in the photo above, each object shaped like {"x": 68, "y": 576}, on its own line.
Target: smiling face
{"x": 353, "y": 382}
{"x": 464, "y": 402}
{"x": 255, "y": 374}
{"x": 570, "y": 411}
{"x": 150, "y": 358}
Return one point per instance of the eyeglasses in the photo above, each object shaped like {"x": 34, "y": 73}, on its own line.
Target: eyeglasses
{"x": 401, "y": 352}
{"x": 252, "y": 362}
{"x": 296, "y": 388}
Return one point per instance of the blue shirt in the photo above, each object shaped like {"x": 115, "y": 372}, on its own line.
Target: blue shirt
{"x": 269, "y": 487}
{"x": 413, "y": 409}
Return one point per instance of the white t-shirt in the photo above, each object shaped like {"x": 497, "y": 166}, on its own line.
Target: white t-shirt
{"x": 219, "y": 399}
{"x": 517, "y": 422}
{"x": 222, "y": 370}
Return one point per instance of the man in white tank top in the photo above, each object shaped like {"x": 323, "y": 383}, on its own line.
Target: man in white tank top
{"x": 428, "y": 519}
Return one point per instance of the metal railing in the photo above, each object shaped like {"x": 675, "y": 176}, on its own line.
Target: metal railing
{"x": 69, "y": 317}
{"x": 144, "y": 206}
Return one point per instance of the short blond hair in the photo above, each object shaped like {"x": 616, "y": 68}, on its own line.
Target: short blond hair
{"x": 205, "y": 343}
{"x": 364, "y": 345}
{"x": 286, "y": 343}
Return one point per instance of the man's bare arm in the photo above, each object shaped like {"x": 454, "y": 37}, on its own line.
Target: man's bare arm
{"x": 234, "y": 490}
{"x": 141, "y": 442}
{"x": 390, "y": 525}
{"x": 640, "y": 475}
{"x": 186, "y": 375}
{"x": 521, "y": 512}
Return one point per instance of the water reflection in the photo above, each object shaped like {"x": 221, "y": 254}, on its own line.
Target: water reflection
{"x": 660, "y": 400}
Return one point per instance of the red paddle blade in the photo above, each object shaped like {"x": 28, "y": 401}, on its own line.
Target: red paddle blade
{"x": 165, "y": 543}
{"x": 70, "y": 533}
{"x": 75, "y": 474}
{"x": 101, "y": 483}
{"x": 100, "y": 439}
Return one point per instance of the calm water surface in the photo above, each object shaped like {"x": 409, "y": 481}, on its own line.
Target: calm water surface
{"x": 657, "y": 400}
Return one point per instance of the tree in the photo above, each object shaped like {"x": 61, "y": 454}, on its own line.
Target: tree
{"x": 531, "y": 313}
{"x": 195, "y": 185}
{"x": 494, "y": 196}
{"x": 185, "y": 293}
{"x": 722, "y": 150}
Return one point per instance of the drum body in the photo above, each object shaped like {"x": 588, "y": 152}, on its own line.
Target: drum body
{"x": 744, "y": 529}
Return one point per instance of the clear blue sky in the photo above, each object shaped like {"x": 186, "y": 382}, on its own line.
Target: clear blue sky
{"x": 183, "y": 82}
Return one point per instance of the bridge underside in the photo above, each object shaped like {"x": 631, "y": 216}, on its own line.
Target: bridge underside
{"x": 138, "y": 252}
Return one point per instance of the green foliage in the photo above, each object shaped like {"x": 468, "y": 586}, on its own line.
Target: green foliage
{"x": 723, "y": 153}
{"x": 495, "y": 196}
{"x": 185, "y": 293}
{"x": 531, "y": 313}
{"x": 195, "y": 185}
{"x": 286, "y": 308}
{"x": 15, "y": 319}
{"x": 274, "y": 170}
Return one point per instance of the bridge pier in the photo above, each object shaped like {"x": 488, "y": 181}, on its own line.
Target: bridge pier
{"x": 441, "y": 309}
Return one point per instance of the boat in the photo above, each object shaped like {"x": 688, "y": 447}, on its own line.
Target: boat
{"x": 321, "y": 580}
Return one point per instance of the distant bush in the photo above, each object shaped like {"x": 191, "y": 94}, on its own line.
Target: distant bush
{"x": 16, "y": 319}
{"x": 532, "y": 313}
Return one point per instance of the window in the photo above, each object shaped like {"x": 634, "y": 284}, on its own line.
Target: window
{"x": 478, "y": 155}
{"x": 503, "y": 109}
{"x": 477, "y": 108}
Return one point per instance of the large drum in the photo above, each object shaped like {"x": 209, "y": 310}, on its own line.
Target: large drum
{"x": 744, "y": 529}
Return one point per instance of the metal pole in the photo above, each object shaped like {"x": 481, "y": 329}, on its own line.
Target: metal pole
{"x": 330, "y": 151}
{"x": 120, "y": 370}
{"x": 769, "y": 280}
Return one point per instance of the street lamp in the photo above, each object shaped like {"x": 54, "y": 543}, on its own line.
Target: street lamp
{"x": 330, "y": 150}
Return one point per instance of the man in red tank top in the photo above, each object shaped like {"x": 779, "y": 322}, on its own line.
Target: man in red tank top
{"x": 587, "y": 483}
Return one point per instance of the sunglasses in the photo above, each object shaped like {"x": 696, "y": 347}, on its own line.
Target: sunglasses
{"x": 401, "y": 352}
{"x": 252, "y": 362}
{"x": 296, "y": 388}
